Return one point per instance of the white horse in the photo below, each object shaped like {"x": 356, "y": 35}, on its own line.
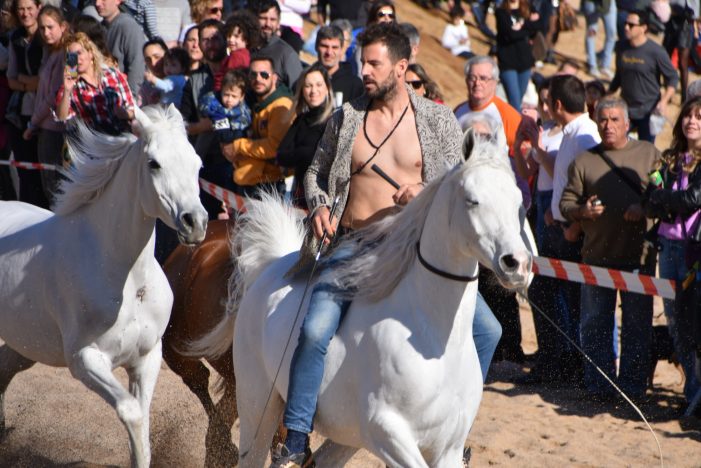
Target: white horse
{"x": 81, "y": 288}
{"x": 402, "y": 378}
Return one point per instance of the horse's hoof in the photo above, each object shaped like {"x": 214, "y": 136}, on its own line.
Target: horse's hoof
{"x": 466, "y": 456}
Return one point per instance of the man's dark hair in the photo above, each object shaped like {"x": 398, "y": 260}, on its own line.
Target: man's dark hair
{"x": 569, "y": 90}
{"x": 263, "y": 58}
{"x": 643, "y": 16}
{"x": 328, "y": 32}
{"x": 248, "y": 25}
{"x": 261, "y": 6}
{"x": 389, "y": 34}
{"x": 212, "y": 23}
{"x": 155, "y": 41}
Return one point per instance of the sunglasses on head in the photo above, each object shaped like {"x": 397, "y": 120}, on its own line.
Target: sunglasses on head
{"x": 416, "y": 84}
{"x": 263, "y": 74}
{"x": 382, "y": 14}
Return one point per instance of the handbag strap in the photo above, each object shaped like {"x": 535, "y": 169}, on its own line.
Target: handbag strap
{"x": 598, "y": 149}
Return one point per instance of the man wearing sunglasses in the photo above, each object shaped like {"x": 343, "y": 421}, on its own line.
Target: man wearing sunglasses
{"x": 286, "y": 60}
{"x": 639, "y": 64}
{"x": 125, "y": 38}
{"x": 253, "y": 158}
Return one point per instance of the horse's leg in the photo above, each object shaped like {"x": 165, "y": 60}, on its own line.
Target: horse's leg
{"x": 94, "y": 369}
{"x": 394, "y": 442}
{"x": 332, "y": 454}
{"x": 255, "y": 451}
{"x": 142, "y": 383}
{"x": 221, "y": 450}
{"x": 11, "y": 363}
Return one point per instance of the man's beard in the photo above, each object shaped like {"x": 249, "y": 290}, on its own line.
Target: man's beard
{"x": 215, "y": 57}
{"x": 385, "y": 90}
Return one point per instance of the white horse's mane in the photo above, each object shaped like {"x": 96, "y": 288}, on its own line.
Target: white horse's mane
{"x": 96, "y": 156}
{"x": 386, "y": 249}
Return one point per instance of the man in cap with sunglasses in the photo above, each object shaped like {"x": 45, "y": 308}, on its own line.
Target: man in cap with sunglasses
{"x": 125, "y": 39}
{"x": 254, "y": 158}
{"x": 286, "y": 60}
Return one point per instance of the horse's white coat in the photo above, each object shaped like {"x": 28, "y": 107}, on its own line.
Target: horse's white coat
{"x": 402, "y": 376}
{"x": 82, "y": 288}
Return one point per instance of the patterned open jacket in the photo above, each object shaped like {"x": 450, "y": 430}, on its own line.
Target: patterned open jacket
{"x": 329, "y": 175}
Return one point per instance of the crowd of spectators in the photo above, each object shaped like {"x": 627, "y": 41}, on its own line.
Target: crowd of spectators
{"x": 255, "y": 112}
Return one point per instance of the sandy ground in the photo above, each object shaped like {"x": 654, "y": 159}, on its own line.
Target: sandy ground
{"x": 54, "y": 421}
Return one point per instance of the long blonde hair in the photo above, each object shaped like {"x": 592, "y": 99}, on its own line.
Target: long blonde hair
{"x": 88, "y": 46}
{"x": 301, "y": 105}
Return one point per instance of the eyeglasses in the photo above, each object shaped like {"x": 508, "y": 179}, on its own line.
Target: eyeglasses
{"x": 479, "y": 79}
{"x": 631, "y": 25}
{"x": 388, "y": 14}
{"x": 416, "y": 84}
{"x": 263, "y": 74}
{"x": 215, "y": 10}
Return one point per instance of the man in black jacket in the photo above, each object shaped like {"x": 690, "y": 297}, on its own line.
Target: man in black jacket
{"x": 329, "y": 48}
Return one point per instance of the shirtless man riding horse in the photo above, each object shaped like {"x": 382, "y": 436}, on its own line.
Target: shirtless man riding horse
{"x": 413, "y": 140}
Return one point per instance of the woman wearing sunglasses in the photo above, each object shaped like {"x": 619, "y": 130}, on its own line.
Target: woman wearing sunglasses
{"x": 423, "y": 85}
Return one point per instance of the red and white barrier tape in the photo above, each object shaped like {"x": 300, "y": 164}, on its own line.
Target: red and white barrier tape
{"x": 29, "y": 165}
{"x": 551, "y": 267}
{"x": 227, "y": 196}
{"x": 599, "y": 276}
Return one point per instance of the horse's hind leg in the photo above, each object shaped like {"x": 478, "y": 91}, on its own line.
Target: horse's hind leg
{"x": 11, "y": 363}
{"x": 221, "y": 451}
{"x": 94, "y": 369}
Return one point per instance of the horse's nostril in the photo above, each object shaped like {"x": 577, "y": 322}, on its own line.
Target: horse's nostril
{"x": 187, "y": 220}
{"x": 509, "y": 261}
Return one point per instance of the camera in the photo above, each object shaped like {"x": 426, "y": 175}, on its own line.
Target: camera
{"x": 72, "y": 63}
{"x": 596, "y": 202}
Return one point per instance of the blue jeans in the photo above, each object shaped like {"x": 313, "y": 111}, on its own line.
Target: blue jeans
{"x": 515, "y": 84}
{"x": 672, "y": 266}
{"x": 592, "y": 20}
{"x": 643, "y": 127}
{"x": 558, "y": 299}
{"x": 596, "y": 335}
{"x": 326, "y": 311}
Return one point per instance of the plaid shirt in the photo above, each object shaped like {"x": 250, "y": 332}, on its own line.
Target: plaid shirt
{"x": 96, "y": 105}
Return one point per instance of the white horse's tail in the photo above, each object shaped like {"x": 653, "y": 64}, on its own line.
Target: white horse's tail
{"x": 268, "y": 230}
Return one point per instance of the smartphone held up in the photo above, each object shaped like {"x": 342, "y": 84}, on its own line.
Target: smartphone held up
{"x": 72, "y": 64}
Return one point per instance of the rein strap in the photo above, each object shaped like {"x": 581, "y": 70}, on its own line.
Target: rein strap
{"x": 441, "y": 273}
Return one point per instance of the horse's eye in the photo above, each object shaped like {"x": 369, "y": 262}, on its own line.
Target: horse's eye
{"x": 153, "y": 164}
{"x": 470, "y": 203}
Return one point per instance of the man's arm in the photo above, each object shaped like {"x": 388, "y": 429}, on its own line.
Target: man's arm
{"x": 316, "y": 180}
{"x": 134, "y": 65}
{"x": 670, "y": 80}
{"x": 266, "y": 148}
{"x": 571, "y": 206}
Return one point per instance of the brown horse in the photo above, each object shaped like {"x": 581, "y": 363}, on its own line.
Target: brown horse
{"x": 198, "y": 278}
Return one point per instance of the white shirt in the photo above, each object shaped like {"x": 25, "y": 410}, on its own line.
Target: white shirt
{"x": 452, "y": 35}
{"x": 551, "y": 144}
{"x": 579, "y": 135}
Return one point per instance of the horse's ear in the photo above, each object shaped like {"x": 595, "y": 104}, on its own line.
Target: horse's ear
{"x": 141, "y": 121}
{"x": 468, "y": 143}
